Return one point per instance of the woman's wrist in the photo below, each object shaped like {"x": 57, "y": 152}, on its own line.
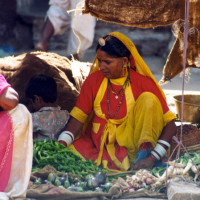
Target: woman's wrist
{"x": 66, "y": 138}
{"x": 62, "y": 142}
{"x": 160, "y": 150}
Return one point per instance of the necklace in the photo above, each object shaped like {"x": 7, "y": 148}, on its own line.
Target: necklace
{"x": 108, "y": 103}
{"x": 116, "y": 96}
{"x": 116, "y": 93}
{"x": 113, "y": 91}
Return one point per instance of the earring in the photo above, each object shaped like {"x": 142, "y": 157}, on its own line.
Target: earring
{"x": 124, "y": 69}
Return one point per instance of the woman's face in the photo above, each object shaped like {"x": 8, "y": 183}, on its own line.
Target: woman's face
{"x": 111, "y": 67}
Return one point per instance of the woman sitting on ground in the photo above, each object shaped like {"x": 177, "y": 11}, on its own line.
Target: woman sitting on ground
{"x": 121, "y": 119}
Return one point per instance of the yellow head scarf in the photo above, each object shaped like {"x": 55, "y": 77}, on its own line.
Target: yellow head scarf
{"x": 141, "y": 66}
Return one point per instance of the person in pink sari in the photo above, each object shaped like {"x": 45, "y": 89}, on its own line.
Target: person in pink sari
{"x": 15, "y": 140}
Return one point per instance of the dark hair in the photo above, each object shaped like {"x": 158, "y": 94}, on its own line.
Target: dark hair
{"x": 43, "y": 86}
{"x": 114, "y": 47}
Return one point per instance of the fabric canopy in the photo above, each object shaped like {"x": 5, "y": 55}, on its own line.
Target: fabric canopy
{"x": 134, "y": 13}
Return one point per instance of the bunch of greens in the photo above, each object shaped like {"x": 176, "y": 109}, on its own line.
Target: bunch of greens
{"x": 61, "y": 158}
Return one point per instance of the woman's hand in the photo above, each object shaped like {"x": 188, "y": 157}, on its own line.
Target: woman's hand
{"x": 145, "y": 163}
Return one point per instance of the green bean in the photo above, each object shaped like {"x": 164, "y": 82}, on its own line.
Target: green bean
{"x": 61, "y": 158}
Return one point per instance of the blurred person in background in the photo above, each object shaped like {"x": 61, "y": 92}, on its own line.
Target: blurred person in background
{"x": 58, "y": 19}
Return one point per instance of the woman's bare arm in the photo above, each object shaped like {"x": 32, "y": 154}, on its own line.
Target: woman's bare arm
{"x": 9, "y": 99}
{"x": 168, "y": 131}
{"x": 74, "y": 126}
{"x": 72, "y": 129}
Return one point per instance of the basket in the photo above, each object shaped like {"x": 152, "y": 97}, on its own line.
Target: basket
{"x": 194, "y": 149}
{"x": 190, "y": 139}
{"x": 191, "y": 107}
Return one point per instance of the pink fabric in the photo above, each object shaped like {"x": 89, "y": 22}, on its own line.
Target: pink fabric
{"x": 3, "y": 84}
{"x": 6, "y": 148}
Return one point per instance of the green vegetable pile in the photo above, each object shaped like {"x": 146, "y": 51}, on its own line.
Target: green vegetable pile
{"x": 61, "y": 158}
{"x": 77, "y": 174}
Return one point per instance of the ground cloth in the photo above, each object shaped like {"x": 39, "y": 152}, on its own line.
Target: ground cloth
{"x": 50, "y": 192}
